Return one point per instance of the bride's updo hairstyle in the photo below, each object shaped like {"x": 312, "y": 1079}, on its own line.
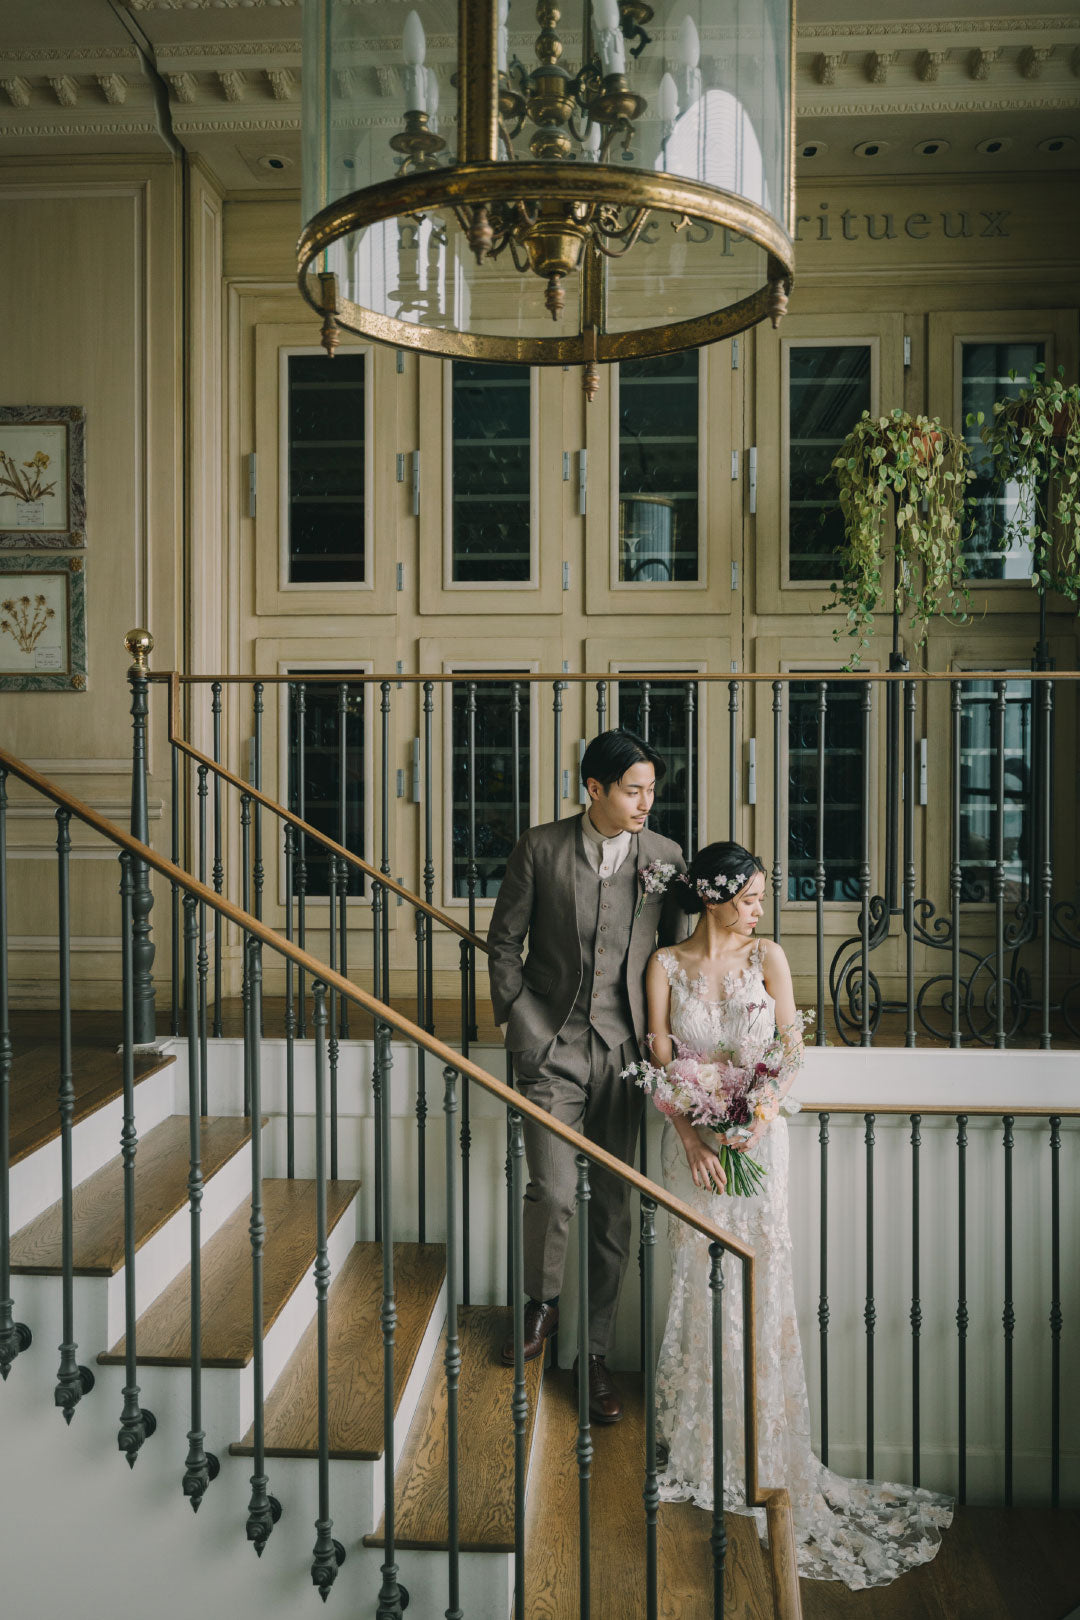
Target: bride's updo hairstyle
{"x": 717, "y": 873}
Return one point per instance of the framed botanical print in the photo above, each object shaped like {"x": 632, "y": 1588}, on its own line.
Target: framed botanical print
{"x": 42, "y": 624}
{"x": 42, "y": 477}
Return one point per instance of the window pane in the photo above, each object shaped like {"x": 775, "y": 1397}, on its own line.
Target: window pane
{"x": 985, "y": 378}
{"x": 491, "y": 495}
{"x": 829, "y": 388}
{"x": 978, "y": 791}
{"x": 323, "y": 766}
{"x": 658, "y": 469}
{"x": 666, "y": 731}
{"x": 497, "y": 829}
{"x": 326, "y": 468}
{"x": 844, "y": 806}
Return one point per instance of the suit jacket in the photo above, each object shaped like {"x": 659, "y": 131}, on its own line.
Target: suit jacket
{"x": 537, "y": 900}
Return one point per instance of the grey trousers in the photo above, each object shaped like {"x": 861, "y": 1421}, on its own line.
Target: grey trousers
{"x": 579, "y": 1083}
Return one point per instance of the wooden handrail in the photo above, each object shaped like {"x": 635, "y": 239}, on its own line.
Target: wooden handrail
{"x": 946, "y": 1110}
{"x": 614, "y": 677}
{"x": 324, "y": 839}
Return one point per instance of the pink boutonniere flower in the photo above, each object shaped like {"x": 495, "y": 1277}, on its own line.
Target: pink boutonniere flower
{"x": 655, "y": 879}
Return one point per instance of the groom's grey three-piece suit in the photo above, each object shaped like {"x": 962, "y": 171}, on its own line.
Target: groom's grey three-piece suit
{"x": 576, "y": 1017}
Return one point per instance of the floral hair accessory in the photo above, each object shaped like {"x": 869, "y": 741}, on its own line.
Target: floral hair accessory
{"x": 655, "y": 879}
{"x": 719, "y": 888}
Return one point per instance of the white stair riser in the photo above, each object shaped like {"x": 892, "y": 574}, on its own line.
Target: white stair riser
{"x": 35, "y": 1181}
{"x": 485, "y": 1582}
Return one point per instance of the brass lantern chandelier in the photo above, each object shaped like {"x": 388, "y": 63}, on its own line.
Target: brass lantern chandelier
{"x": 495, "y": 180}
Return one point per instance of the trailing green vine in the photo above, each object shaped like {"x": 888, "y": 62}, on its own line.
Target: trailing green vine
{"x": 1034, "y": 444}
{"x": 913, "y": 465}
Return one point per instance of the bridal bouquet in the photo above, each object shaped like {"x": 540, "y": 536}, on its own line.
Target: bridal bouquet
{"x": 729, "y": 1092}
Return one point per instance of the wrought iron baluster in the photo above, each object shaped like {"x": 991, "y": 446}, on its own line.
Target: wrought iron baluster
{"x": 332, "y": 892}
{"x": 689, "y": 706}
{"x": 377, "y": 1081}
{"x": 819, "y": 867}
{"x": 218, "y": 867}
{"x": 429, "y": 845}
{"x": 471, "y": 872}
{"x": 384, "y": 860}
{"x": 869, "y": 1311}
{"x": 909, "y": 860}
{"x": 584, "y": 1434}
{"x": 556, "y": 748}
{"x": 778, "y": 827}
{"x": 245, "y": 988}
{"x": 999, "y": 862}
{"x": 14, "y": 1336}
{"x": 515, "y": 753}
{"x": 1008, "y": 1314}
{"x": 290, "y": 1010}
{"x": 916, "y": 1301}
{"x": 1055, "y": 1310}
{"x": 1046, "y": 777}
{"x": 651, "y": 1492}
{"x": 865, "y": 1035}
{"x": 204, "y": 955}
{"x": 733, "y": 758}
{"x": 519, "y": 1403}
{"x": 961, "y": 1304}
{"x": 956, "y": 871}
{"x": 466, "y": 1131}
{"x": 136, "y": 1423}
{"x": 378, "y": 901}
{"x": 300, "y": 863}
{"x": 646, "y": 708}
{"x": 343, "y": 840}
{"x": 327, "y": 1554}
{"x": 823, "y": 1278}
{"x": 176, "y": 924}
{"x": 601, "y": 705}
{"x": 259, "y": 874}
{"x": 264, "y": 1510}
{"x": 139, "y": 643}
{"x": 421, "y": 925}
{"x": 72, "y": 1380}
{"x": 392, "y": 1596}
{"x": 509, "y": 1171}
{"x": 718, "y": 1532}
{"x": 201, "y": 1466}
{"x": 453, "y": 1354}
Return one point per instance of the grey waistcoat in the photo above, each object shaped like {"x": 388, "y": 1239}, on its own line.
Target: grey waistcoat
{"x": 605, "y": 915}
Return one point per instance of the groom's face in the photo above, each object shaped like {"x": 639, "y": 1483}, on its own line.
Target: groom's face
{"x": 624, "y": 806}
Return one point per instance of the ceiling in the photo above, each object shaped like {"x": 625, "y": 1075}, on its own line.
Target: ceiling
{"x": 982, "y": 91}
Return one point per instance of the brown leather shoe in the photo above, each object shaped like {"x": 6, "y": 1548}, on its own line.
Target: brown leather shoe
{"x": 604, "y": 1403}
{"x": 540, "y": 1322}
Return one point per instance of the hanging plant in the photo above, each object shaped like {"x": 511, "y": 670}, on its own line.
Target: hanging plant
{"x": 918, "y": 468}
{"x": 1034, "y": 444}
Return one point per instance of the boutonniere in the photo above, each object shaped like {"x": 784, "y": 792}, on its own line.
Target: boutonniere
{"x": 654, "y": 880}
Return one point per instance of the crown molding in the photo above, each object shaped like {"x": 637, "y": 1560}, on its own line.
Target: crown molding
{"x": 963, "y": 27}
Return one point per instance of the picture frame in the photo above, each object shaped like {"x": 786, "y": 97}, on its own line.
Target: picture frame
{"x": 42, "y": 477}
{"x": 42, "y": 623}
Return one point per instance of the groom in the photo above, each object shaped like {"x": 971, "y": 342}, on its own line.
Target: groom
{"x": 575, "y": 1017}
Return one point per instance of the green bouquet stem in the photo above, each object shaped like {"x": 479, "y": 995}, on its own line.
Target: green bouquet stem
{"x": 745, "y": 1176}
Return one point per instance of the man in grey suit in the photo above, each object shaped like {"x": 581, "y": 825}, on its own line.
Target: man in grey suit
{"x": 575, "y": 1017}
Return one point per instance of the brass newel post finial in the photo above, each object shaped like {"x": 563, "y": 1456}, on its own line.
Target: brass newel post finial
{"x": 140, "y": 644}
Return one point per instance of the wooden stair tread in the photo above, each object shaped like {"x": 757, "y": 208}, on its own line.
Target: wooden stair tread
{"x": 97, "y": 1077}
{"x": 485, "y": 1444}
{"x": 161, "y": 1172}
{"x": 617, "y": 1542}
{"x": 164, "y": 1329}
{"x": 355, "y": 1355}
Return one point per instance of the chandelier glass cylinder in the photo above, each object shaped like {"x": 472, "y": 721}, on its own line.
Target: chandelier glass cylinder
{"x": 500, "y": 180}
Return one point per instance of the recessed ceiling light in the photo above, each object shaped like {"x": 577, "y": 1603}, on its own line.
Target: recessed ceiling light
{"x": 994, "y": 145}
{"x": 1057, "y": 143}
{"x": 813, "y": 149}
{"x": 870, "y": 149}
{"x": 274, "y": 162}
{"x": 931, "y": 148}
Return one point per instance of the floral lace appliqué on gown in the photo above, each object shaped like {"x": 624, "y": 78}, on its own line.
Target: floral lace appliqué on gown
{"x": 861, "y": 1532}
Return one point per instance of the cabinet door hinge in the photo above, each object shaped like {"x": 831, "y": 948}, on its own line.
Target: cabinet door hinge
{"x": 751, "y": 457}
{"x": 251, "y": 484}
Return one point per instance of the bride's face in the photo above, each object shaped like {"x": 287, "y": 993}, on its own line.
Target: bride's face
{"x": 743, "y": 913}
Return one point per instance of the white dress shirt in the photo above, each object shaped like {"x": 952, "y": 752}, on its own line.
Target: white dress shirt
{"x": 604, "y": 855}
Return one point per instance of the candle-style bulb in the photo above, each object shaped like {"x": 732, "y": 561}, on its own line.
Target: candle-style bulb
{"x": 689, "y": 43}
{"x": 414, "y": 49}
{"x": 591, "y": 143}
{"x": 609, "y": 40}
{"x": 503, "y": 35}
{"x": 667, "y": 99}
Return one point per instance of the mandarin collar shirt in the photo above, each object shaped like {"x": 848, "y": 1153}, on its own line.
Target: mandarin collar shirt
{"x": 604, "y": 855}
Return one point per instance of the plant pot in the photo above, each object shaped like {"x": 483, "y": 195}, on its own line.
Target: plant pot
{"x": 922, "y": 445}
{"x": 1028, "y": 414}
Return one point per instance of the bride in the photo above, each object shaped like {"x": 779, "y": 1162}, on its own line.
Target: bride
{"x": 704, "y": 994}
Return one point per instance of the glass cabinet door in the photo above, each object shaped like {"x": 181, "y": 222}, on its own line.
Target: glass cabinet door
{"x": 659, "y": 453}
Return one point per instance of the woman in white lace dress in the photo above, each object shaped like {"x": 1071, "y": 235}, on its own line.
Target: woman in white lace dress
{"x": 705, "y": 993}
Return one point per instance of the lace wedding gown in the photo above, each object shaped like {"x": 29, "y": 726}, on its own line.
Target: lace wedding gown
{"x": 862, "y": 1532}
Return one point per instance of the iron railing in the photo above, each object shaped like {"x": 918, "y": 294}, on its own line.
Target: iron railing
{"x": 459, "y": 1072}
{"x": 966, "y": 939}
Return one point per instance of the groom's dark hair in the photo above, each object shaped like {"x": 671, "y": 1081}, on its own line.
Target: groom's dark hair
{"x": 611, "y": 753}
